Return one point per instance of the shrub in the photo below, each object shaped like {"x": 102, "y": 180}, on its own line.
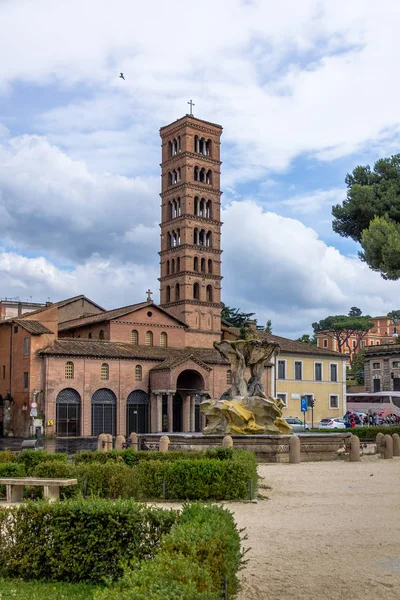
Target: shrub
{"x": 79, "y": 540}
{"x": 10, "y": 469}
{"x": 133, "y": 457}
{"x": 107, "y": 480}
{"x": 54, "y": 469}
{"x": 31, "y": 458}
{"x": 7, "y": 456}
{"x": 198, "y": 479}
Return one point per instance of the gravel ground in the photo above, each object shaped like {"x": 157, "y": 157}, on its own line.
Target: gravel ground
{"x": 328, "y": 531}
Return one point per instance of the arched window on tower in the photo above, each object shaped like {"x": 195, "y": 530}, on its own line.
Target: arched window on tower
{"x": 202, "y": 208}
{"x": 178, "y": 237}
{"x": 208, "y": 209}
{"x": 178, "y": 263}
{"x": 210, "y": 267}
{"x": 208, "y": 239}
{"x": 195, "y": 264}
{"x": 178, "y": 175}
{"x": 203, "y": 265}
{"x": 196, "y": 236}
{"x": 202, "y": 175}
{"x": 196, "y": 291}
{"x": 196, "y": 143}
{"x": 209, "y": 147}
{"x": 134, "y": 337}
{"x": 209, "y": 293}
{"x": 196, "y": 173}
{"x": 69, "y": 370}
{"x": 138, "y": 373}
{"x": 169, "y": 178}
{"x": 178, "y": 207}
{"x": 163, "y": 340}
{"x": 177, "y": 292}
{"x": 104, "y": 371}
{"x": 209, "y": 177}
{"x": 170, "y": 210}
{"x": 168, "y": 267}
{"x": 174, "y": 239}
{"x": 202, "y": 238}
{"x": 173, "y": 265}
{"x": 149, "y": 338}
{"x": 168, "y": 294}
{"x": 169, "y": 240}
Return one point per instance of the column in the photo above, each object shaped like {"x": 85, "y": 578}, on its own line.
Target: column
{"x": 170, "y": 413}
{"x": 159, "y": 413}
{"x": 192, "y": 413}
{"x": 186, "y": 413}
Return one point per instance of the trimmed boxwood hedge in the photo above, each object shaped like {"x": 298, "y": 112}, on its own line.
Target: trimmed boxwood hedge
{"x": 10, "y": 469}
{"x": 79, "y": 540}
{"x": 31, "y": 458}
{"x": 132, "y": 457}
{"x": 365, "y": 433}
{"x": 201, "y": 550}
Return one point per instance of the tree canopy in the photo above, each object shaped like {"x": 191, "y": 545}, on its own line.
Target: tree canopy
{"x": 355, "y": 312}
{"x": 234, "y": 316}
{"x": 371, "y": 214}
{"x": 342, "y": 328}
{"x": 307, "y": 339}
{"x": 394, "y": 314}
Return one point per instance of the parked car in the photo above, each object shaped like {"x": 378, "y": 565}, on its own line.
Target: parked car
{"x": 297, "y": 424}
{"x": 334, "y": 423}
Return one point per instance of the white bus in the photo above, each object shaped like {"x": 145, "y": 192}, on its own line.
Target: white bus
{"x": 376, "y": 402}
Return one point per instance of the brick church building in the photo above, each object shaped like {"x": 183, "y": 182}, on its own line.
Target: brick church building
{"x": 144, "y": 367}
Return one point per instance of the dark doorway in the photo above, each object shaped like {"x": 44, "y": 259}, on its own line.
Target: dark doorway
{"x": 189, "y": 383}
{"x": 104, "y": 404}
{"x": 377, "y": 385}
{"x": 68, "y": 413}
{"x": 396, "y": 384}
{"x": 164, "y": 418}
{"x": 137, "y": 412}
{"x": 177, "y": 406}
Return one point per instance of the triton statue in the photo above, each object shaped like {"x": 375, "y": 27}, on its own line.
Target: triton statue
{"x": 247, "y": 410}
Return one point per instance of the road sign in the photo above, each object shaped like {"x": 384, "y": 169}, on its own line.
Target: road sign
{"x": 33, "y": 404}
{"x": 33, "y": 412}
{"x": 304, "y": 404}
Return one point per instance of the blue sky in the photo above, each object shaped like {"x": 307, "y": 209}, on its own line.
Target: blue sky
{"x": 305, "y": 91}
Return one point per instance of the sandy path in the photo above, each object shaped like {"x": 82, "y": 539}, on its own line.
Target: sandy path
{"x": 329, "y": 531}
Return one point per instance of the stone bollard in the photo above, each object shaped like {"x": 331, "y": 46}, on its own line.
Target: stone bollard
{"x": 102, "y": 442}
{"x": 109, "y": 444}
{"x": 134, "y": 441}
{"x": 294, "y": 450}
{"x": 388, "y": 446}
{"x": 120, "y": 442}
{"x": 354, "y": 448}
{"x": 227, "y": 442}
{"x": 164, "y": 443}
{"x": 378, "y": 442}
{"x": 396, "y": 444}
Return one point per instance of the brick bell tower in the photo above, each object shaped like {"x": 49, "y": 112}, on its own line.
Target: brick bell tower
{"x": 190, "y": 257}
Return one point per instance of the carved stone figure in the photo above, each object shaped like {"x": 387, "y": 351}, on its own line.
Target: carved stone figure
{"x": 247, "y": 410}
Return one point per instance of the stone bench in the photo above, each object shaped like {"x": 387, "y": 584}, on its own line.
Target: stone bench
{"x": 15, "y": 487}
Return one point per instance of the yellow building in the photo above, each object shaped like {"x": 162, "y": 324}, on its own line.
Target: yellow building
{"x": 305, "y": 370}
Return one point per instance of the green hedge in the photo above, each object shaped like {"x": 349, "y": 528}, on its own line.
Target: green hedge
{"x": 7, "y": 456}
{"x": 132, "y": 457}
{"x": 365, "y": 433}
{"x": 10, "y": 469}
{"x": 31, "y": 458}
{"x": 198, "y": 479}
{"x": 79, "y": 540}
{"x": 202, "y": 549}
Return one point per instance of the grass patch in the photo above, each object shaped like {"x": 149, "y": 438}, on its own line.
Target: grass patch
{"x": 33, "y": 590}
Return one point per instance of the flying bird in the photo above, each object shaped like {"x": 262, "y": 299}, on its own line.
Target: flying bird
{"x": 121, "y": 75}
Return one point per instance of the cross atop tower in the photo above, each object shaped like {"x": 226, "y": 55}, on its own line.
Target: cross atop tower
{"x": 191, "y": 104}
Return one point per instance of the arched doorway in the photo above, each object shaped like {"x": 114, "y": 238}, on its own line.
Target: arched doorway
{"x": 187, "y": 400}
{"x": 104, "y": 405}
{"x": 137, "y": 412}
{"x": 68, "y": 413}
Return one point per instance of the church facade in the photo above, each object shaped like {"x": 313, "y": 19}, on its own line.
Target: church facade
{"x": 80, "y": 370}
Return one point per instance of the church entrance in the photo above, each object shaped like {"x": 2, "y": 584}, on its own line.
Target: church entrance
{"x": 188, "y": 387}
{"x": 137, "y": 412}
{"x": 177, "y": 405}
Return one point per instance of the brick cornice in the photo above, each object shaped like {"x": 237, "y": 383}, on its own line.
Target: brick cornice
{"x": 187, "y": 154}
{"x": 190, "y": 218}
{"x": 191, "y": 273}
{"x": 193, "y": 125}
{"x": 192, "y": 302}
{"x": 192, "y": 186}
{"x": 185, "y": 246}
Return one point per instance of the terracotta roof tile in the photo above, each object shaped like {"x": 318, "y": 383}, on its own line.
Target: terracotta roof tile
{"x": 109, "y": 315}
{"x": 34, "y": 327}
{"x": 106, "y": 349}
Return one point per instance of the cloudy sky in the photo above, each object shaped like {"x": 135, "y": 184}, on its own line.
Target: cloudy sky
{"x": 305, "y": 90}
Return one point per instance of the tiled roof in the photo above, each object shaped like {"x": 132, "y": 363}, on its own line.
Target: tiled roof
{"x": 106, "y": 349}
{"x": 292, "y": 346}
{"x": 109, "y": 315}
{"x": 174, "y": 360}
{"x": 62, "y": 303}
{"x": 34, "y": 327}
{"x": 382, "y": 349}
